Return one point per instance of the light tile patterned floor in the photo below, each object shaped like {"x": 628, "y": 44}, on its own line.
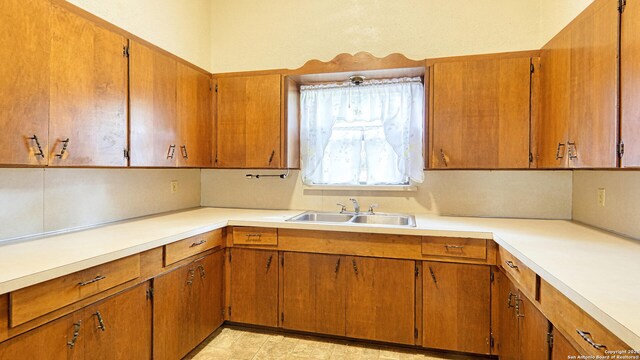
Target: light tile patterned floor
{"x": 232, "y": 343}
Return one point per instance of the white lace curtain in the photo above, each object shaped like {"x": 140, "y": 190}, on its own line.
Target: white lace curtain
{"x": 371, "y": 134}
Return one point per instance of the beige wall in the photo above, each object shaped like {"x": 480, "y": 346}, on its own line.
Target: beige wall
{"x": 555, "y": 15}
{"x": 621, "y": 212}
{"x": 33, "y": 201}
{"x": 521, "y": 194}
{"x": 181, "y": 27}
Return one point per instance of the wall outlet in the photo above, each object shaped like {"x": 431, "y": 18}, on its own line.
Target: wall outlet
{"x": 174, "y": 186}
{"x": 601, "y": 197}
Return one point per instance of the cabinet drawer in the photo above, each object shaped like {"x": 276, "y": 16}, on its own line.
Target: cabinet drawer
{"x": 525, "y": 277}
{"x": 255, "y": 236}
{"x": 40, "y": 299}
{"x": 579, "y": 326}
{"x": 188, "y": 247}
{"x": 455, "y": 247}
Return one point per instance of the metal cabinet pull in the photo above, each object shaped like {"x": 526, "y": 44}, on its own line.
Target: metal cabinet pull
{"x": 96, "y": 279}
{"x": 455, "y": 247}
{"x": 269, "y": 260}
{"x": 65, "y": 144}
{"x": 337, "y": 266}
{"x": 586, "y": 336}
{"x": 183, "y": 149}
{"x": 558, "y": 156}
{"x": 171, "y": 151}
{"x": 40, "y": 152}
{"x": 76, "y": 333}
{"x": 511, "y": 264}
{"x": 100, "y": 321}
{"x": 355, "y": 266}
{"x": 573, "y": 151}
{"x": 433, "y": 276}
{"x": 202, "y": 273}
{"x": 509, "y": 304}
{"x": 273, "y": 153}
{"x": 251, "y": 236}
{"x": 198, "y": 243}
{"x": 443, "y": 157}
{"x": 192, "y": 274}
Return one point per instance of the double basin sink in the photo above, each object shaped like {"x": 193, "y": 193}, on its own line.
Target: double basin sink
{"x": 352, "y": 218}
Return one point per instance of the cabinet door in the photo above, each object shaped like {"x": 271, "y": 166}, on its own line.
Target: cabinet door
{"x": 380, "y": 299}
{"x": 254, "y": 287}
{"x": 457, "y": 307}
{"x": 508, "y": 343}
{"x": 533, "y": 331}
{"x": 208, "y": 305}
{"x": 88, "y": 112}
{"x": 481, "y": 114}
{"x": 555, "y": 62}
{"x": 630, "y": 84}
{"x": 594, "y": 87}
{"x": 194, "y": 117}
{"x": 173, "y": 312}
{"x": 314, "y": 293}
{"x": 119, "y": 327}
{"x": 248, "y": 124}
{"x": 48, "y": 342}
{"x": 154, "y": 124}
{"x": 24, "y": 81}
{"x": 562, "y": 348}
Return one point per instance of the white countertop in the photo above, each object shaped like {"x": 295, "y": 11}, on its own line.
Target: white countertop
{"x": 597, "y": 270}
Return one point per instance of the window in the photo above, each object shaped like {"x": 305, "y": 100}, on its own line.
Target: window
{"x": 368, "y": 134}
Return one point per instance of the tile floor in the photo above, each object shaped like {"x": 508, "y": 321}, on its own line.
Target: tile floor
{"x": 234, "y": 343}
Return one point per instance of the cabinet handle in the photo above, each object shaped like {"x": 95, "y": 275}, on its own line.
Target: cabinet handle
{"x": 202, "y": 273}
{"x": 192, "y": 274}
{"x": 96, "y": 279}
{"x": 198, "y": 243}
{"x": 76, "y": 333}
{"x": 250, "y": 236}
{"x": 511, "y": 264}
{"x": 586, "y": 336}
{"x": 433, "y": 276}
{"x": 573, "y": 151}
{"x": 509, "y": 304}
{"x": 65, "y": 144}
{"x": 171, "y": 151}
{"x": 269, "y": 260}
{"x": 443, "y": 157}
{"x": 273, "y": 153}
{"x": 355, "y": 267}
{"x": 558, "y": 156}
{"x": 337, "y": 266}
{"x": 100, "y": 321}
{"x": 183, "y": 149}
{"x": 455, "y": 247}
{"x": 40, "y": 152}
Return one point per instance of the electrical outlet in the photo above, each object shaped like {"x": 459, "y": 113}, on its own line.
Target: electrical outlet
{"x": 174, "y": 186}
{"x": 601, "y": 197}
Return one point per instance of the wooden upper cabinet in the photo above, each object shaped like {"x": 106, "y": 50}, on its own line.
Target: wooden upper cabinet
{"x": 630, "y": 84}
{"x": 248, "y": 127}
{"x": 457, "y": 307}
{"x": 153, "y": 106}
{"x": 88, "y": 111}
{"x": 25, "y": 26}
{"x": 194, "y": 117}
{"x": 481, "y": 114}
{"x": 579, "y": 71}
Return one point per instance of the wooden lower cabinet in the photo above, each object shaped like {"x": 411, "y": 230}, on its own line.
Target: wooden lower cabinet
{"x": 562, "y": 348}
{"x": 507, "y": 320}
{"x": 187, "y": 306}
{"x": 457, "y": 307}
{"x": 254, "y": 287}
{"x": 47, "y": 342}
{"x": 314, "y": 293}
{"x": 380, "y": 299}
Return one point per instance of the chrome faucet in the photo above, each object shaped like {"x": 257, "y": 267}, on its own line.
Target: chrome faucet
{"x": 356, "y": 206}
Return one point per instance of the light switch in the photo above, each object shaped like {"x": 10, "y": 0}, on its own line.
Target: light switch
{"x": 174, "y": 186}
{"x": 601, "y": 197}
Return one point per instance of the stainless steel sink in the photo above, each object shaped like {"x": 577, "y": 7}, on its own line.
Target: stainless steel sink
{"x": 362, "y": 218}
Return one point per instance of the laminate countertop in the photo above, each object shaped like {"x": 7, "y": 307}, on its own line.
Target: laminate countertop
{"x": 597, "y": 270}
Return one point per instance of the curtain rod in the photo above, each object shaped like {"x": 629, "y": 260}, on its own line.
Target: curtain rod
{"x": 365, "y": 83}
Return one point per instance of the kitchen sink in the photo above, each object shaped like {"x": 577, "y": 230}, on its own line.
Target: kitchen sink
{"x": 352, "y": 218}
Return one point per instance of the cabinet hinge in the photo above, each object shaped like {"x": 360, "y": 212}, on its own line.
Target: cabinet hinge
{"x": 282, "y": 316}
{"x": 415, "y": 333}
{"x": 621, "y": 5}
{"x": 417, "y": 271}
{"x": 620, "y": 149}
{"x": 216, "y": 87}
{"x": 492, "y": 277}
{"x": 229, "y": 311}
{"x": 149, "y": 293}
{"x": 550, "y": 340}
{"x": 532, "y": 68}
{"x": 530, "y": 157}
{"x": 125, "y": 51}
{"x": 222, "y": 312}
{"x": 492, "y": 342}
{"x": 126, "y": 153}
{"x": 282, "y": 261}
{"x": 229, "y": 255}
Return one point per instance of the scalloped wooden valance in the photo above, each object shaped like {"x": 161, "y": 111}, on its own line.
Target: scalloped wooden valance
{"x": 357, "y": 62}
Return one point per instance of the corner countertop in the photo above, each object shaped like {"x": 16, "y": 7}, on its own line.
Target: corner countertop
{"x": 597, "y": 270}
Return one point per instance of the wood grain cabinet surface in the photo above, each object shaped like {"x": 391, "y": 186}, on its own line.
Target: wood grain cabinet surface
{"x": 630, "y": 84}
{"x": 248, "y": 122}
{"x": 481, "y": 114}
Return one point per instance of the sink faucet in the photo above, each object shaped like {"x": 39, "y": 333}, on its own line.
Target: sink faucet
{"x": 356, "y": 206}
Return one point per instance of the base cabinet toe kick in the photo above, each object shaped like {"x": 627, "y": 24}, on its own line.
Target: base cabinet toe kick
{"x": 453, "y": 294}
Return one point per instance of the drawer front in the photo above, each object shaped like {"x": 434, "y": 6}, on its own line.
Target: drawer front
{"x": 591, "y": 337}
{"x": 525, "y": 277}
{"x": 255, "y": 236}
{"x": 194, "y": 245}
{"x": 455, "y": 247}
{"x": 40, "y": 299}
